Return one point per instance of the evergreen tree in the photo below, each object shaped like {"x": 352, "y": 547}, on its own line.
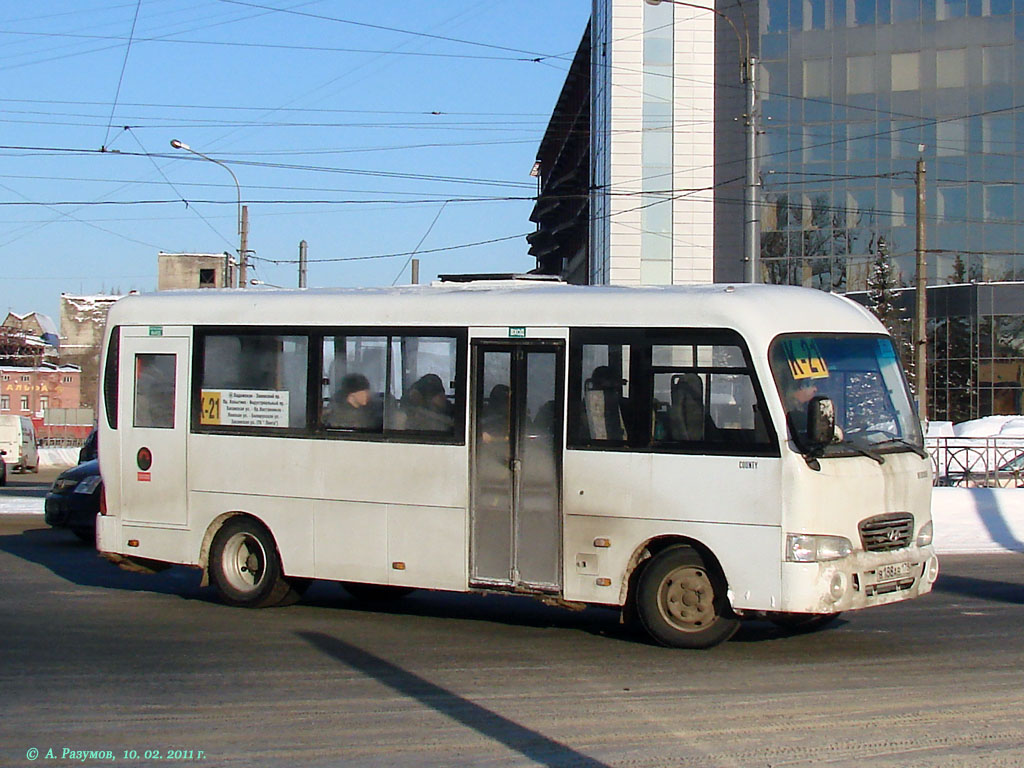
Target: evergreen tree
{"x": 882, "y": 303}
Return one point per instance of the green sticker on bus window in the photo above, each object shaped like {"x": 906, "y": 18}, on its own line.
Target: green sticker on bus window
{"x": 156, "y": 330}
{"x": 517, "y": 333}
{"x": 805, "y": 360}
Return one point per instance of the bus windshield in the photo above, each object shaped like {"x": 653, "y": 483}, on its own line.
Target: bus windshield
{"x": 863, "y": 378}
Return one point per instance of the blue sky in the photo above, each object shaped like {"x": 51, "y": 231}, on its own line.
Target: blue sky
{"x": 347, "y": 124}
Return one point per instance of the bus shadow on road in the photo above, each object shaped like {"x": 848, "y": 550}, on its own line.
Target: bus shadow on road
{"x": 516, "y": 610}
{"x": 981, "y": 589}
{"x": 513, "y": 610}
{"x": 76, "y": 562}
{"x": 531, "y": 744}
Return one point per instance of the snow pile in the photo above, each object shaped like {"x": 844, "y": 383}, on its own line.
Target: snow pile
{"x": 58, "y": 457}
{"x": 991, "y": 426}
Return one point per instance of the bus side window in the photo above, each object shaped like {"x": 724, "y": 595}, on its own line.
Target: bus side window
{"x": 253, "y": 380}
{"x": 354, "y": 378}
{"x": 154, "y": 391}
{"x": 421, "y": 395}
{"x": 600, "y": 407}
{"x": 704, "y": 397}
{"x": 407, "y": 385}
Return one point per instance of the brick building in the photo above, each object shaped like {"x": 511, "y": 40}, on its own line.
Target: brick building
{"x": 30, "y": 391}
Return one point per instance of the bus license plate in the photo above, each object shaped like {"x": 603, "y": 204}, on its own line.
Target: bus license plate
{"x": 892, "y": 572}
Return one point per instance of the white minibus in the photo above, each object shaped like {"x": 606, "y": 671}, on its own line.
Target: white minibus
{"x": 691, "y": 456}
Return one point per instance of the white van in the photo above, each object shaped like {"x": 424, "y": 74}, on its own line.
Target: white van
{"x": 18, "y": 438}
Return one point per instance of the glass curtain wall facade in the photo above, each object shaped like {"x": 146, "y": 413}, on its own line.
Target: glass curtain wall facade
{"x": 852, "y": 93}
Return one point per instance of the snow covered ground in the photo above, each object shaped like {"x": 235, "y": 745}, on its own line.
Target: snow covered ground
{"x": 967, "y": 520}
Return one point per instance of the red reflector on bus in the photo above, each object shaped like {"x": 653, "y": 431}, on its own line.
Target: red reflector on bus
{"x": 103, "y": 500}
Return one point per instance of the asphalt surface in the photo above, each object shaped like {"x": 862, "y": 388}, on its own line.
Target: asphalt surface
{"x": 93, "y": 658}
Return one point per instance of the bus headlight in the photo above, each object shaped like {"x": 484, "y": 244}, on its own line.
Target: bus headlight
{"x": 924, "y": 536}
{"x": 805, "y": 548}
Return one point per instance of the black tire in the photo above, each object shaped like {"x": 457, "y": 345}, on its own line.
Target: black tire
{"x": 803, "y": 622}
{"x": 375, "y": 593}
{"x": 245, "y": 567}
{"x": 682, "y": 602}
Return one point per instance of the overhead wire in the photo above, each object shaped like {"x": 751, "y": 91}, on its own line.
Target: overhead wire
{"x": 417, "y": 248}
{"x": 124, "y": 66}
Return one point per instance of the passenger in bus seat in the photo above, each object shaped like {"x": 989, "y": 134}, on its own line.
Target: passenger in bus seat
{"x": 686, "y": 414}
{"x": 353, "y": 407}
{"x": 426, "y": 405}
{"x": 603, "y": 402}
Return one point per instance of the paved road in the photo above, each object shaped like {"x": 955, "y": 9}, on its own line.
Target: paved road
{"x": 93, "y": 658}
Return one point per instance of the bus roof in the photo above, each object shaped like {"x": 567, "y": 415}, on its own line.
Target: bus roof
{"x": 761, "y": 311}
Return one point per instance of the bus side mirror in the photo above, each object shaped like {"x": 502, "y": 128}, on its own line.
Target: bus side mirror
{"x": 821, "y": 422}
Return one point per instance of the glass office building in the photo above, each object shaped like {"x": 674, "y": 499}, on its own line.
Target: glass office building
{"x": 852, "y": 93}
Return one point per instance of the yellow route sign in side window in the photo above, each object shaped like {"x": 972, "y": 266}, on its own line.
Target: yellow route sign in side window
{"x": 209, "y": 407}
{"x": 805, "y": 361}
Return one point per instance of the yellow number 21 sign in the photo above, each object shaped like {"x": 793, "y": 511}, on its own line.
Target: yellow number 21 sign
{"x": 805, "y": 361}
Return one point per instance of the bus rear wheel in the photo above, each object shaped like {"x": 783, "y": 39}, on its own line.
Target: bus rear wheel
{"x": 245, "y": 567}
{"x": 682, "y": 603}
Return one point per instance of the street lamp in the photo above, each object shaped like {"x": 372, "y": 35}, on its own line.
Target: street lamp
{"x": 748, "y": 73}
{"x": 243, "y": 211}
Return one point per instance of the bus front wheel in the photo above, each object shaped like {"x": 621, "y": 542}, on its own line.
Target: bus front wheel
{"x": 245, "y": 567}
{"x": 682, "y": 603}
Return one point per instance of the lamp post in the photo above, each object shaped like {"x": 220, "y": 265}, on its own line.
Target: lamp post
{"x": 748, "y": 74}
{"x": 243, "y": 211}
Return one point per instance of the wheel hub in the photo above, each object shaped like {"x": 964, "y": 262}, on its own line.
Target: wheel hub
{"x": 687, "y": 599}
{"x": 245, "y": 562}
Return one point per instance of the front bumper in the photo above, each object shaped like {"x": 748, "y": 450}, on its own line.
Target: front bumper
{"x": 861, "y": 580}
{"x": 72, "y": 510}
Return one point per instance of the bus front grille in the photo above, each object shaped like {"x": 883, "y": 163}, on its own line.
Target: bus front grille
{"x": 884, "y": 533}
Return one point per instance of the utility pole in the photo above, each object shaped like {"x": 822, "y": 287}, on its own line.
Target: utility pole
{"x": 415, "y": 271}
{"x": 921, "y": 291}
{"x": 243, "y": 248}
{"x": 751, "y": 240}
{"x": 302, "y": 263}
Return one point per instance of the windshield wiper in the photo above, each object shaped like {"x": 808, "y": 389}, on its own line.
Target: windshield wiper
{"x": 863, "y": 450}
{"x": 907, "y": 444}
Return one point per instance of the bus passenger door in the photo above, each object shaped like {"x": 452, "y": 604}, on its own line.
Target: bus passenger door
{"x": 153, "y": 424}
{"x": 516, "y": 529}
